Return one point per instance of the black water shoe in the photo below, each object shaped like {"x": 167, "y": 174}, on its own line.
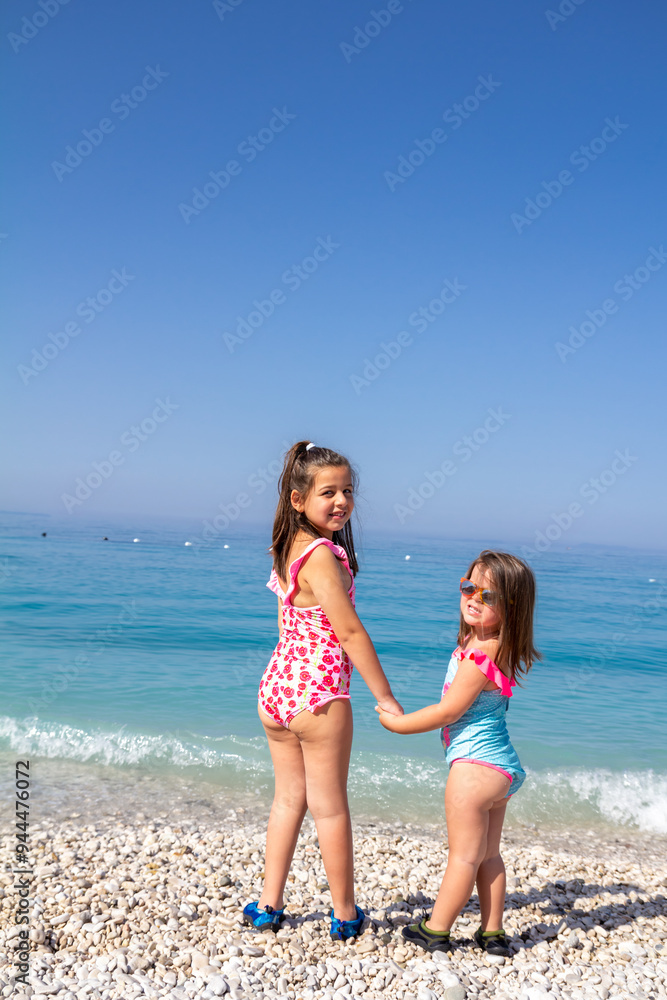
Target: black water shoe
{"x": 492, "y": 942}
{"x": 427, "y": 939}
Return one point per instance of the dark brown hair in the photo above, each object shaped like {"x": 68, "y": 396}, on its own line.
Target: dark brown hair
{"x": 515, "y": 583}
{"x": 299, "y": 471}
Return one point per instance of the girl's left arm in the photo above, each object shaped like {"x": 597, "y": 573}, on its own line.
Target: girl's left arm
{"x": 465, "y": 687}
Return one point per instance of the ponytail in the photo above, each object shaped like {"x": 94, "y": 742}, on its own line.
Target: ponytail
{"x": 302, "y": 462}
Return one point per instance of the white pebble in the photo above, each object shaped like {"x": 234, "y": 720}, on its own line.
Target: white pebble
{"x": 448, "y": 979}
{"x": 533, "y": 993}
{"x": 217, "y": 985}
{"x": 455, "y": 993}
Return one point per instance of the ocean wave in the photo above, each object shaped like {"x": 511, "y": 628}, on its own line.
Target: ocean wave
{"x": 635, "y": 799}
{"x": 549, "y": 798}
{"x": 122, "y": 748}
{"x": 381, "y": 785}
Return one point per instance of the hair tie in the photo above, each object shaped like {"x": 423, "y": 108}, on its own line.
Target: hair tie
{"x": 311, "y": 445}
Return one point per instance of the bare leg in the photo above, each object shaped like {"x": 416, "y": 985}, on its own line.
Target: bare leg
{"x": 491, "y": 873}
{"x": 287, "y": 811}
{"x": 326, "y": 742}
{"x": 471, "y": 793}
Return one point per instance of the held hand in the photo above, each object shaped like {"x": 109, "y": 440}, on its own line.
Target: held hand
{"x": 389, "y": 705}
{"x": 389, "y": 720}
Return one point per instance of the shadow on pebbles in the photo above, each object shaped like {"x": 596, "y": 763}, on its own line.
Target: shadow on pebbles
{"x": 123, "y": 909}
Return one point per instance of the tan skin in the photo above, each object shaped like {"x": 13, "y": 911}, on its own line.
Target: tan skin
{"x": 311, "y": 758}
{"x": 475, "y": 796}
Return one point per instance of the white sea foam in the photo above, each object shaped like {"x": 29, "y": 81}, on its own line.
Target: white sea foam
{"x": 550, "y": 798}
{"x": 382, "y": 785}
{"x": 628, "y": 799}
{"x": 119, "y": 747}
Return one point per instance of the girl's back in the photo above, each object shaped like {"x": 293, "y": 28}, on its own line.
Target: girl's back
{"x": 295, "y": 591}
{"x": 481, "y": 732}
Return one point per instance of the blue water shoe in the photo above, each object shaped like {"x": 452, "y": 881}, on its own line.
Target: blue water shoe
{"x": 341, "y": 930}
{"x": 266, "y": 919}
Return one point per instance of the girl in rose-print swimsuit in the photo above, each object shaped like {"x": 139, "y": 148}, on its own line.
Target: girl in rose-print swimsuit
{"x": 304, "y": 694}
{"x": 309, "y": 667}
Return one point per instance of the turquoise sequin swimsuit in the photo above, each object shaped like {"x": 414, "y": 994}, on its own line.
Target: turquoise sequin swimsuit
{"x": 480, "y": 735}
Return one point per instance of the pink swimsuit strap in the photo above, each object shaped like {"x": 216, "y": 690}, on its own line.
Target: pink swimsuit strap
{"x": 295, "y": 566}
{"x": 490, "y": 670}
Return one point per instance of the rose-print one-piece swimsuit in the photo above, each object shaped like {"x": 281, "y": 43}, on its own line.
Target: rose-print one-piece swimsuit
{"x": 309, "y": 667}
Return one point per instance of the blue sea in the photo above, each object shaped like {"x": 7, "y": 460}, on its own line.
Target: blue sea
{"x": 137, "y": 660}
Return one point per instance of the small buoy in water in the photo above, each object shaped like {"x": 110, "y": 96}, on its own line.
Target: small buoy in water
{"x": 188, "y": 543}
{"x": 105, "y": 539}
{"x": 407, "y": 557}
{"x": 136, "y": 539}
{"x": 651, "y": 580}
{"x": 225, "y": 546}
{"x": 43, "y": 534}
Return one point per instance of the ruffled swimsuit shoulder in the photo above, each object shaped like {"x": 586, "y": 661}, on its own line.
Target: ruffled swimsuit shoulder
{"x": 480, "y": 735}
{"x": 309, "y": 667}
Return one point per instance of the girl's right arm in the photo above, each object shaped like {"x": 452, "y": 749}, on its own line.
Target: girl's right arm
{"x": 465, "y": 687}
{"x": 322, "y": 574}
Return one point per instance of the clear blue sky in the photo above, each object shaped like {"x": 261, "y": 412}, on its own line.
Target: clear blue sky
{"x": 534, "y": 198}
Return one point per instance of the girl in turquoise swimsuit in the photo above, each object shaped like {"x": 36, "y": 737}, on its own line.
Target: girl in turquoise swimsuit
{"x": 495, "y": 647}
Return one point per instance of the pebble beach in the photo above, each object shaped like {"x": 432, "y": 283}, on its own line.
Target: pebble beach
{"x": 151, "y": 906}
{"x": 132, "y": 693}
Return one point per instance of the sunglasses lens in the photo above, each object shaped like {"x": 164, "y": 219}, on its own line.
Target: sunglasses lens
{"x": 467, "y": 588}
{"x": 489, "y": 597}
